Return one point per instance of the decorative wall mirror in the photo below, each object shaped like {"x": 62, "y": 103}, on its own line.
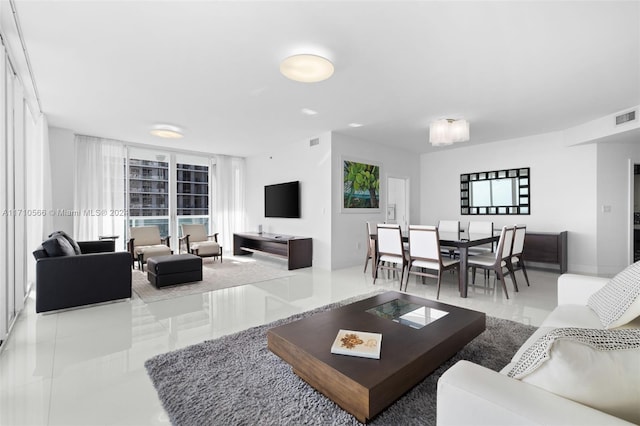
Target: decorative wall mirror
{"x": 497, "y": 192}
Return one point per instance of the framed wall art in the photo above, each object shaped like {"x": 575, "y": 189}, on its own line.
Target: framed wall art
{"x": 360, "y": 186}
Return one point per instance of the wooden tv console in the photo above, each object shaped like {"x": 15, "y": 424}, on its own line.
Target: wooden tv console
{"x": 297, "y": 250}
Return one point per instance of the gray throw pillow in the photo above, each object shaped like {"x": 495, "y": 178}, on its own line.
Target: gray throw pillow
{"x": 58, "y": 246}
{"x": 76, "y": 247}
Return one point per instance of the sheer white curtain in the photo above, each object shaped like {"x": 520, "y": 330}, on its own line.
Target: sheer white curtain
{"x": 38, "y": 173}
{"x": 229, "y": 198}
{"x": 46, "y": 178}
{"x": 99, "y": 188}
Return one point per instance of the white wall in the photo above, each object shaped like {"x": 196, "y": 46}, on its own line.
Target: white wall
{"x": 563, "y": 188}
{"x": 311, "y": 165}
{"x": 62, "y": 154}
{"x": 348, "y": 229}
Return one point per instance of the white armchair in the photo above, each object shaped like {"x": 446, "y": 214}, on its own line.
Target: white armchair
{"x": 145, "y": 242}
{"x": 196, "y": 241}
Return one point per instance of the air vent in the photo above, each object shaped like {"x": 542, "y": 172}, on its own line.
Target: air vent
{"x": 314, "y": 142}
{"x": 625, "y": 118}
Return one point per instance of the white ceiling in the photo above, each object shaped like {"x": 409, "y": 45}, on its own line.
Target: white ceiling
{"x": 115, "y": 68}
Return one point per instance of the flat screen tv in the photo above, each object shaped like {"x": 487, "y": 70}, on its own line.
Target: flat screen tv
{"x": 282, "y": 200}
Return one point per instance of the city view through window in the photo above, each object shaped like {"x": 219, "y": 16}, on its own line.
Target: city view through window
{"x": 150, "y": 194}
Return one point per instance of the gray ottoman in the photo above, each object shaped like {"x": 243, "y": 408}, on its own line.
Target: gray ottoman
{"x": 174, "y": 269}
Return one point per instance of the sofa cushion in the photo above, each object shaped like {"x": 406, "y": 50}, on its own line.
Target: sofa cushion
{"x": 580, "y": 316}
{"x": 76, "y": 247}
{"x": 618, "y": 302}
{"x": 594, "y": 367}
{"x": 40, "y": 252}
{"x": 58, "y": 245}
{"x": 206, "y": 247}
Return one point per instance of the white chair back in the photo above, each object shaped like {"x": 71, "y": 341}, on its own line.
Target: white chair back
{"x": 145, "y": 235}
{"x": 480, "y": 228}
{"x": 449, "y": 226}
{"x": 518, "y": 240}
{"x": 196, "y": 232}
{"x": 505, "y": 244}
{"x": 390, "y": 239}
{"x": 424, "y": 242}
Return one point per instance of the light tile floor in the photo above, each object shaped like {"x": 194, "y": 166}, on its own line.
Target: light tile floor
{"x": 86, "y": 366}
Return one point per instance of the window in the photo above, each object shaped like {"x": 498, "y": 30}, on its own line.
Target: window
{"x": 192, "y": 194}
{"x": 149, "y": 194}
{"x": 167, "y": 190}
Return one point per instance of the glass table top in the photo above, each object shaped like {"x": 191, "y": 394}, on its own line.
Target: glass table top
{"x": 406, "y": 313}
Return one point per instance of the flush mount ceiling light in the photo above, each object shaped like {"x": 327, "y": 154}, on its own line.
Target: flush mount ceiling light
{"x": 309, "y": 111}
{"x": 447, "y": 131}
{"x": 166, "y": 131}
{"x": 306, "y": 68}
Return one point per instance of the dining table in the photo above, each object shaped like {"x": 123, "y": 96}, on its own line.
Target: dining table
{"x": 462, "y": 242}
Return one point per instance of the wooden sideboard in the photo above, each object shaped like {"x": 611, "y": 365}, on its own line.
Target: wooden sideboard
{"x": 547, "y": 247}
{"x": 297, "y": 250}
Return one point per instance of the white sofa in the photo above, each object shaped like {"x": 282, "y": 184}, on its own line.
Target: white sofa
{"x": 469, "y": 394}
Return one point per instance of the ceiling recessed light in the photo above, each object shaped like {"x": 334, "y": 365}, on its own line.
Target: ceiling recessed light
{"x": 166, "y": 131}
{"x": 308, "y": 111}
{"x": 355, "y": 125}
{"x": 306, "y": 68}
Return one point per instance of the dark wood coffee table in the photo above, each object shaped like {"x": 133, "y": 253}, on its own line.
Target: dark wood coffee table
{"x": 362, "y": 386}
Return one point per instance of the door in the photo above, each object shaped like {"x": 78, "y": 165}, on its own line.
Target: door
{"x": 398, "y": 201}
{"x": 635, "y": 196}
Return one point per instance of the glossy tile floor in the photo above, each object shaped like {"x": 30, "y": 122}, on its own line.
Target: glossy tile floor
{"x": 86, "y": 366}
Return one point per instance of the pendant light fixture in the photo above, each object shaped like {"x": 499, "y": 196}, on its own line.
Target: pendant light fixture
{"x": 447, "y": 131}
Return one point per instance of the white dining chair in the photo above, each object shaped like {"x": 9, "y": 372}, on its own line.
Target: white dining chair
{"x": 477, "y": 229}
{"x": 497, "y": 261}
{"x": 450, "y": 227}
{"x": 371, "y": 246}
{"x": 391, "y": 254}
{"x": 517, "y": 253}
{"x": 425, "y": 255}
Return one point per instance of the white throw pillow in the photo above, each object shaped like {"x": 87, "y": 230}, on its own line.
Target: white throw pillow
{"x": 598, "y": 368}
{"x": 618, "y": 302}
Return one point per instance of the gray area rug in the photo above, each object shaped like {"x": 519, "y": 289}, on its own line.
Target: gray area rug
{"x": 215, "y": 276}
{"x": 236, "y": 380}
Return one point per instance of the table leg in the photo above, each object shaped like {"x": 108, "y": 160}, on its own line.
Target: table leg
{"x": 464, "y": 276}
{"x": 374, "y": 259}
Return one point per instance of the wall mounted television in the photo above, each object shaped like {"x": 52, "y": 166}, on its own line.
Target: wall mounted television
{"x": 282, "y": 200}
